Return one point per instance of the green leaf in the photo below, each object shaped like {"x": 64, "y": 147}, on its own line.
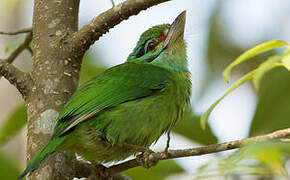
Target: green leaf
{"x": 264, "y": 68}
{"x": 190, "y": 128}
{"x": 272, "y": 112}
{"x": 8, "y": 170}
{"x": 262, "y": 159}
{"x": 245, "y": 78}
{"x": 269, "y": 153}
{"x": 159, "y": 172}
{"x": 286, "y": 60}
{"x": 262, "y": 47}
{"x": 13, "y": 124}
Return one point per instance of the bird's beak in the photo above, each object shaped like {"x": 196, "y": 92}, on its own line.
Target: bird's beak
{"x": 176, "y": 30}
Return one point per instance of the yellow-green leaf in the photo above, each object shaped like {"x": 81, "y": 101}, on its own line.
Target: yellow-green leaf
{"x": 271, "y": 153}
{"x": 286, "y": 61}
{"x": 262, "y": 47}
{"x": 264, "y": 68}
{"x": 12, "y": 125}
{"x": 259, "y": 159}
{"x": 245, "y": 78}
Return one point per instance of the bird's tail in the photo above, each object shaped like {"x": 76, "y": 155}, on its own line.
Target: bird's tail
{"x": 42, "y": 155}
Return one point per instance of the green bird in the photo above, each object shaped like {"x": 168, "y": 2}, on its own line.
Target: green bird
{"x": 133, "y": 103}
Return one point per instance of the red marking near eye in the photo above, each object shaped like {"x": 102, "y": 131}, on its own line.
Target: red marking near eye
{"x": 162, "y": 38}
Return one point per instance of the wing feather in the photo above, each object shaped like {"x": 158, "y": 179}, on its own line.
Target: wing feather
{"x": 122, "y": 83}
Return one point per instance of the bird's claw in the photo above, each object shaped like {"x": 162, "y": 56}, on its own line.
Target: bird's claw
{"x": 145, "y": 159}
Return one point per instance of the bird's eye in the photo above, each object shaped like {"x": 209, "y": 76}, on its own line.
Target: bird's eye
{"x": 151, "y": 46}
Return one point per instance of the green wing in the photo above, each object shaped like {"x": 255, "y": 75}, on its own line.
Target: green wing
{"x": 116, "y": 85}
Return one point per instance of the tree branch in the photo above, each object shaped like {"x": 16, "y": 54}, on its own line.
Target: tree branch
{"x": 155, "y": 157}
{"x": 21, "y": 31}
{"x": 101, "y": 24}
{"x": 16, "y": 77}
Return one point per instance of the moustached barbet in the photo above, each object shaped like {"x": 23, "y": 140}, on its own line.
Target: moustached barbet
{"x": 133, "y": 103}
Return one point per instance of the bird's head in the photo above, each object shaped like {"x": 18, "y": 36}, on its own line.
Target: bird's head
{"x": 163, "y": 45}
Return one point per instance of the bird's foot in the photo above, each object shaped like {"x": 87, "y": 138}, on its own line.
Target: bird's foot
{"x": 99, "y": 172}
{"x": 146, "y": 160}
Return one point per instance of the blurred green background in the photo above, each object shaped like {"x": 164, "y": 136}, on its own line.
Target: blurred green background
{"x": 217, "y": 32}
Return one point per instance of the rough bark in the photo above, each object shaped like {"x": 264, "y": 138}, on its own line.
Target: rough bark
{"x": 55, "y": 78}
{"x": 16, "y": 77}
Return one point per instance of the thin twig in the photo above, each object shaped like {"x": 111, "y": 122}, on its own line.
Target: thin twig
{"x": 20, "y": 48}
{"x": 198, "y": 151}
{"x": 21, "y": 31}
{"x": 113, "y": 3}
